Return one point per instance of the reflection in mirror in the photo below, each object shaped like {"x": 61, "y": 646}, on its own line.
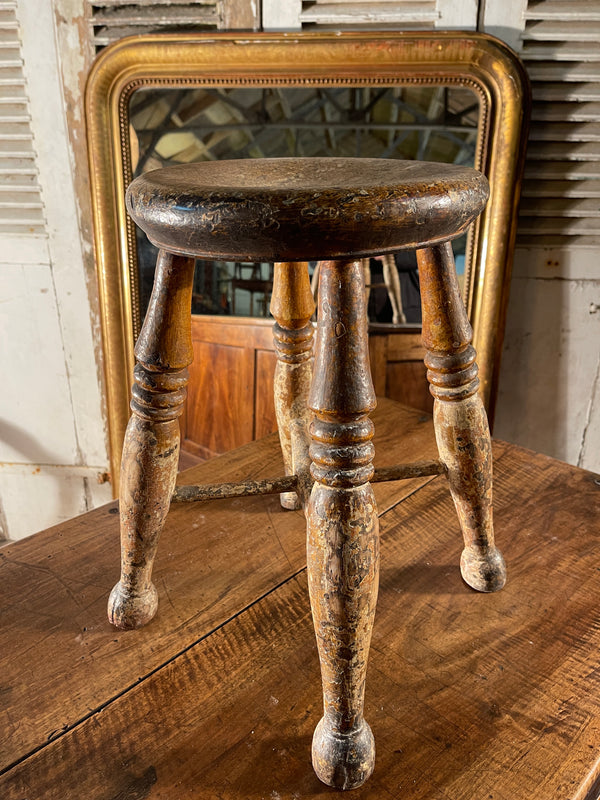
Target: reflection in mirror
{"x": 182, "y": 125}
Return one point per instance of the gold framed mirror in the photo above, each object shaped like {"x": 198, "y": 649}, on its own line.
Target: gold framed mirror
{"x": 473, "y": 63}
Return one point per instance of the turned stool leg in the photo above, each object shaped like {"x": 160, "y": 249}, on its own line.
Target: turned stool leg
{"x": 292, "y": 306}
{"x": 459, "y": 417}
{"x": 343, "y": 531}
{"x": 151, "y": 447}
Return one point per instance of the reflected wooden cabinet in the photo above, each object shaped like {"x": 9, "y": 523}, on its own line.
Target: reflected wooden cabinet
{"x": 230, "y": 393}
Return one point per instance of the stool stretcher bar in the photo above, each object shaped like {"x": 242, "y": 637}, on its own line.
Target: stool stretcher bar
{"x": 289, "y": 483}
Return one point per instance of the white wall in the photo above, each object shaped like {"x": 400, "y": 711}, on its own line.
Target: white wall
{"x": 53, "y": 455}
{"x": 549, "y": 395}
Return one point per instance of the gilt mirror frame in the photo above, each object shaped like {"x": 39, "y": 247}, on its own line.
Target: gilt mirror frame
{"x": 352, "y": 59}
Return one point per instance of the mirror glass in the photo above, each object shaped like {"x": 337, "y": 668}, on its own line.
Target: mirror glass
{"x": 176, "y": 125}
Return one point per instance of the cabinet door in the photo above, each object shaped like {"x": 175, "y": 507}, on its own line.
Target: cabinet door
{"x": 230, "y": 392}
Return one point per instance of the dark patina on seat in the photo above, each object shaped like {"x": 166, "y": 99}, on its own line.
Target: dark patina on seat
{"x": 284, "y": 209}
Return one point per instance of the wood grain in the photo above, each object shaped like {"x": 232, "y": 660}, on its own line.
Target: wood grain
{"x": 60, "y": 660}
{"x": 406, "y": 382}
{"x": 265, "y": 421}
{"x": 220, "y": 407}
{"x": 233, "y": 331}
{"x": 469, "y": 695}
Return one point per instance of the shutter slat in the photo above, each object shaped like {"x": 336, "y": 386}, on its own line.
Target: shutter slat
{"x": 561, "y": 51}
{"x": 561, "y": 207}
{"x": 351, "y": 2}
{"x": 562, "y": 171}
{"x": 567, "y": 71}
{"x": 563, "y": 10}
{"x": 112, "y": 20}
{"x": 565, "y": 132}
{"x": 99, "y": 4}
{"x": 548, "y": 226}
{"x": 566, "y": 92}
{"x": 153, "y": 16}
{"x": 355, "y": 13}
{"x": 542, "y": 31}
{"x": 564, "y": 151}
{"x": 566, "y": 112}
{"x": 574, "y": 188}
{"x": 557, "y": 241}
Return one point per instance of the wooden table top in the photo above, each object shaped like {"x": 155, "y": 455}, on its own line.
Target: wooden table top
{"x": 470, "y": 696}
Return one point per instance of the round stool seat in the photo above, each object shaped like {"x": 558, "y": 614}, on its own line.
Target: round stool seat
{"x": 304, "y": 209}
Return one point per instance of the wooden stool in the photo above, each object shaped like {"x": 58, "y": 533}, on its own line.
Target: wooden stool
{"x": 290, "y": 211}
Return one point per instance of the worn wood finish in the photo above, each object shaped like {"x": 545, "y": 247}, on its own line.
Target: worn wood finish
{"x": 218, "y": 393}
{"x": 290, "y": 483}
{"x": 292, "y": 306}
{"x": 151, "y": 449}
{"x": 460, "y": 420}
{"x": 304, "y": 209}
{"x": 343, "y": 540}
{"x": 468, "y": 695}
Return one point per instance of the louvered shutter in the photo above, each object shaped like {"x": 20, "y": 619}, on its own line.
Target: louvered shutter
{"x": 111, "y": 20}
{"x": 21, "y": 206}
{"x": 561, "y": 193}
{"x": 369, "y": 14}
{"x": 406, "y": 14}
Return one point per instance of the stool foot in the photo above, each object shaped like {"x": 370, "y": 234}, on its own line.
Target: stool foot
{"x": 483, "y": 568}
{"x": 290, "y": 501}
{"x": 128, "y": 610}
{"x": 343, "y": 760}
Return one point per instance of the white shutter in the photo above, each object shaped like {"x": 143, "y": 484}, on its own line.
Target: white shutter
{"x": 111, "y": 20}
{"x": 561, "y": 192}
{"x": 21, "y": 206}
{"x": 395, "y": 14}
{"x": 369, "y": 14}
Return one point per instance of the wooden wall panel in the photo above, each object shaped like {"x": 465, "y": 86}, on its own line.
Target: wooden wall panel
{"x": 406, "y": 382}
{"x": 264, "y": 405}
{"x": 230, "y": 395}
{"x": 220, "y": 405}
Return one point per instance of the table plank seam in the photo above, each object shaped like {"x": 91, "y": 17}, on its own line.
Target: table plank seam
{"x": 68, "y": 729}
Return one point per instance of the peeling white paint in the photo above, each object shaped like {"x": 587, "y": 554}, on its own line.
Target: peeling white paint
{"x": 549, "y": 397}
{"x": 52, "y": 436}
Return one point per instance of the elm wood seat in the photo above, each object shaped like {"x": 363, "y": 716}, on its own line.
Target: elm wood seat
{"x": 294, "y": 209}
{"x": 289, "y": 211}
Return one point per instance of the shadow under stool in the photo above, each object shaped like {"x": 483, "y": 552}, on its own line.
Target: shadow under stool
{"x": 289, "y": 211}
